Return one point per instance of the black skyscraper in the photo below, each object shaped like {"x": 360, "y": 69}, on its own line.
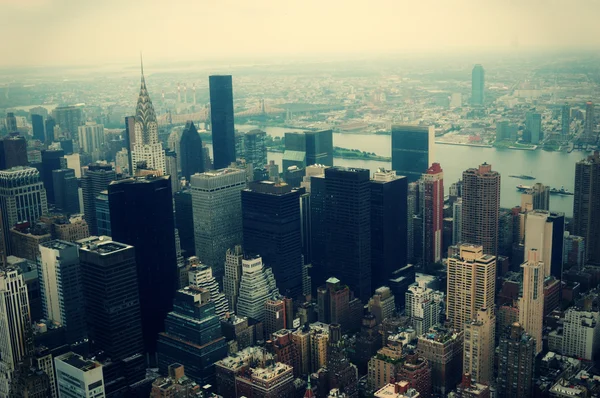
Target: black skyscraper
{"x": 52, "y": 159}
{"x": 50, "y": 124}
{"x": 66, "y": 190}
{"x": 388, "y": 227}
{"x": 184, "y": 221}
{"x": 37, "y": 124}
{"x": 412, "y": 150}
{"x": 96, "y": 179}
{"x": 13, "y": 151}
{"x": 112, "y": 302}
{"x": 317, "y": 231}
{"x": 558, "y": 237}
{"x": 272, "y": 229}
{"x": 348, "y": 228}
{"x": 190, "y": 151}
{"x": 221, "y": 115}
{"x": 319, "y": 147}
{"x": 141, "y": 215}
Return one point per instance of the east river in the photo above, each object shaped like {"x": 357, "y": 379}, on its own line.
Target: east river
{"x": 555, "y": 169}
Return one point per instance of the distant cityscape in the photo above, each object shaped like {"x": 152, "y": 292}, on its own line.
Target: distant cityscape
{"x": 290, "y": 233}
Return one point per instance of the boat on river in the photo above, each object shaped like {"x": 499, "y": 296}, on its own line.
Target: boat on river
{"x": 523, "y": 188}
{"x": 523, "y": 177}
{"x": 561, "y": 191}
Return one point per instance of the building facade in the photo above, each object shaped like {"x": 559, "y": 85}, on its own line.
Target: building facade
{"x": 222, "y": 120}
{"x": 412, "y": 150}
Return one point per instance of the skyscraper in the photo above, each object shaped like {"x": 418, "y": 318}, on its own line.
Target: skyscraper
{"x": 91, "y": 138}
{"x": 412, "y": 150}
{"x": 471, "y": 284}
{"x": 112, "y": 304}
{"x": 295, "y": 151}
{"x": 479, "y": 346}
{"x": 37, "y": 124}
{"x": 388, "y": 225}
{"x": 66, "y": 190}
{"x": 129, "y": 140}
{"x": 171, "y": 169}
{"x": 217, "y": 208}
{"x": 49, "y": 125}
{"x": 589, "y": 122}
{"x": 424, "y": 307}
{"x": 222, "y": 122}
{"x": 14, "y": 321}
{"x": 348, "y": 228}
{"x": 233, "y": 276}
{"x": 544, "y": 232}
{"x": 481, "y": 207}
{"x": 69, "y": 118}
{"x": 533, "y": 128}
{"x": 190, "y": 152}
{"x": 255, "y": 150}
{"x": 538, "y": 196}
{"x": 272, "y": 230}
{"x": 141, "y": 215}
{"x": 52, "y": 159}
{"x": 432, "y": 195}
{"x": 94, "y": 181}
{"x": 565, "y": 120}
{"x": 192, "y": 336}
{"x": 184, "y": 221}
{"x": 515, "y": 363}
{"x": 201, "y": 276}
{"x": 60, "y": 279}
{"x": 103, "y": 214}
{"x": 586, "y": 206}
{"x": 531, "y": 302}
{"x": 477, "y": 85}
{"x": 11, "y": 122}
{"x": 147, "y": 148}
{"x": 22, "y": 198}
{"x": 319, "y": 147}
{"x": 13, "y": 151}
{"x": 256, "y": 286}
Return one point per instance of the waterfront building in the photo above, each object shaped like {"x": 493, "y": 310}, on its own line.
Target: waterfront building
{"x": 412, "y": 150}
{"x": 589, "y": 126}
{"x": 477, "y": 85}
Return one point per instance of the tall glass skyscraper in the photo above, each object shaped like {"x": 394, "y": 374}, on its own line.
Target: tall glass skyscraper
{"x": 190, "y": 152}
{"x": 477, "y": 85}
{"x": 412, "y": 150}
{"x": 586, "y": 206}
{"x": 221, "y": 115}
{"x": 95, "y": 180}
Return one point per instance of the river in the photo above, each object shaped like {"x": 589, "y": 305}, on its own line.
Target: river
{"x": 555, "y": 169}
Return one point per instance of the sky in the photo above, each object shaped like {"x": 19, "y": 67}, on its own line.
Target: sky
{"x": 41, "y": 33}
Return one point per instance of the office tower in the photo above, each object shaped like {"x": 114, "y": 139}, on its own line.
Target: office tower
{"x": 515, "y": 363}
{"x": 22, "y": 198}
{"x": 531, "y": 302}
{"x": 589, "y": 122}
{"x": 580, "y": 337}
{"x": 11, "y": 122}
{"x": 184, "y": 221}
{"x": 131, "y": 202}
{"x": 457, "y": 224}
{"x": 221, "y": 118}
{"x": 432, "y": 195}
{"x": 388, "y": 225}
{"x": 49, "y": 125}
{"x": 295, "y": 151}
{"x": 190, "y": 152}
{"x": 412, "y": 150}
{"x": 52, "y": 159}
{"x": 565, "y": 120}
{"x": 112, "y": 304}
{"x": 60, "y": 278}
{"x": 412, "y": 215}
{"x": 94, "y": 181}
{"x": 471, "y": 284}
{"x": 481, "y": 207}
{"x": 147, "y": 147}
{"x": 257, "y": 284}
{"x": 272, "y": 229}
{"x": 14, "y": 322}
{"x": 316, "y": 186}
{"x": 538, "y": 197}
{"x": 66, "y": 190}
{"x": 533, "y": 128}
{"x": 91, "y": 138}
{"x": 586, "y": 207}
{"x": 233, "y": 276}
{"x": 192, "y": 336}
{"x": 37, "y": 125}
{"x": 275, "y": 316}
{"x": 13, "y": 151}
{"x": 171, "y": 169}
{"x": 477, "y": 85}
{"x": 103, "y": 214}
{"x": 348, "y": 228}
{"x": 217, "y": 209}
{"x": 69, "y": 118}
{"x": 478, "y": 358}
{"x": 443, "y": 349}
{"x": 25, "y": 240}
{"x": 201, "y": 276}
{"x": 78, "y": 377}
{"x": 544, "y": 232}
{"x": 471, "y": 389}
{"x": 424, "y": 307}
{"x": 255, "y": 150}
{"x": 319, "y": 147}
{"x": 574, "y": 251}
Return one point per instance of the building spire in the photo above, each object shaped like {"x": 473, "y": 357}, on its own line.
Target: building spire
{"x": 142, "y": 64}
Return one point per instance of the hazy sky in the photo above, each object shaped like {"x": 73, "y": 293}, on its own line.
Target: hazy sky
{"x": 80, "y": 32}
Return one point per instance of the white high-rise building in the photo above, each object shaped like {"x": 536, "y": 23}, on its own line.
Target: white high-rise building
{"x": 256, "y": 286}
{"x": 91, "y": 138}
{"x": 531, "y": 303}
{"x": 538, "y": 236}
{"x": 581, "y": 338}
{"x": 217, "y": 209}
{"x": 423, "y": 306}
{"x": 14, "y": 318}
{"x": 201, "y": 275}
{"x": 77, "y": 377}
{"x": 233, "y": 276}
{"x": 147, "y": 147}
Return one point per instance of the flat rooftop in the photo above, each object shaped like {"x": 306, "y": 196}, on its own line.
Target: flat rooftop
{"x": 78, "y": 361}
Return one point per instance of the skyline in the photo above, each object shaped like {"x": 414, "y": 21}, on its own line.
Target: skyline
{"x": 94, "y": 34}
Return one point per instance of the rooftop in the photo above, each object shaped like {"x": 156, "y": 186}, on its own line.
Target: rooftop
{"x": 77, "y": 361}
